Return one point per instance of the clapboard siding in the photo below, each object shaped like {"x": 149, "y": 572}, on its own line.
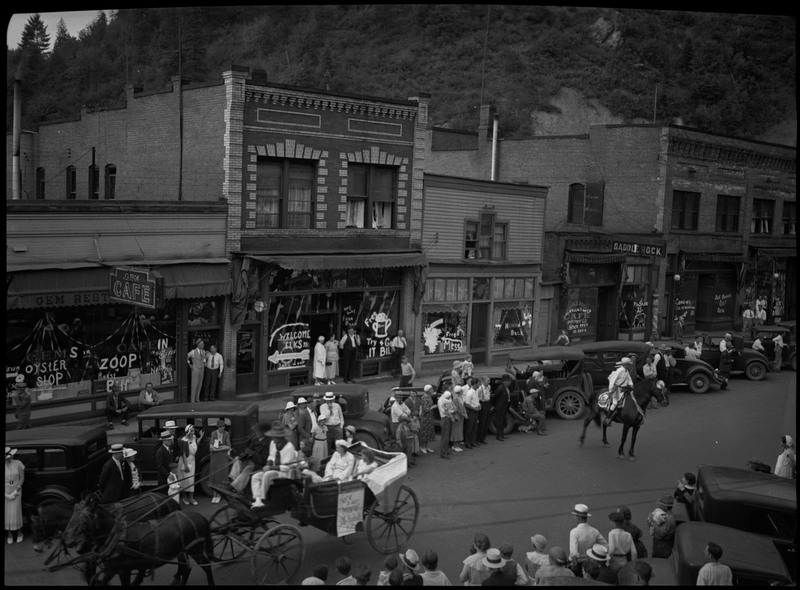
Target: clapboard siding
{"x": 447, "y": 210}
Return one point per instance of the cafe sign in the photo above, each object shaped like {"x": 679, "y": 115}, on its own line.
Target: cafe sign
{"x": 635, "y": 248}
{"x": 144, "y": 288}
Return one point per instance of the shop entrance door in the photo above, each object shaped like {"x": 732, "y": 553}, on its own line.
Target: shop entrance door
{"x": 479, "y": 333}
{"x": 606, "y": 313}
{"x": 321, "y": 324}
{"x": 247, "y": 348}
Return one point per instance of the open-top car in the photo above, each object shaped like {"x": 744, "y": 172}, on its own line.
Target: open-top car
{"x": 752, "y": 363}
{"x": 767, "y": 333}
{"x": 602, "y": 357}
{"x": 243, "y": 417}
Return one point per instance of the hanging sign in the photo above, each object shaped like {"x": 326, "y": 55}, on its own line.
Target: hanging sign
{"x": 144, "y": 288}
{"x": 349, "y": 509}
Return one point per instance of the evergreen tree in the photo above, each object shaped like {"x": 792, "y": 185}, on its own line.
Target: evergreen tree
{"x": 34, "y": 36}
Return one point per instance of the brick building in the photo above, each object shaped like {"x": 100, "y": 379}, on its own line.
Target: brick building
{"x": 647, "y": 223}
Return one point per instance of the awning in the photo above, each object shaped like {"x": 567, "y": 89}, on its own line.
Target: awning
{"x": 592, "y": 258}
{"x": 32, "y": 289}
{"x": 778, "y": 252}
{"x": 715, "y": 256}
{"x": 331, "y": 261}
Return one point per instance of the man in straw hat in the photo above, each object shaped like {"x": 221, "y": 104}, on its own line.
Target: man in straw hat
{"x": 582, "y": 537}
{"x": 112, "y": 482}
{"x": 597, "y": 565}
{"x": 408, "y": 563}
{"x": 164, "y": 458}
{"x": 281, "y": 463}
{"x": 619, "y": 383}
{"x": 498, "y": 576}
{"x": 334, "y": 418}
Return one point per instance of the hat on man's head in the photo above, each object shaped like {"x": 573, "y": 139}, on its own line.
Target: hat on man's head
{"x": 301, "y": 400}
{"x": 128, "y": 453}
{"x": 329, "y": 397}
{"x": 493, "y": 560}
{"x": 558, "y": 555}
{"x": 428, "y": 387}
{"x": 666, "y": 500}
{"x": 598, "y": 552}
{"x": 166, "y": 435}
{"x": 532, "y": 391}
{"x": 10, "y": 452}
{"x": 290, "y": 405}
{"x": 277, "y": 430}
{"x": 539, "y": 542}
{"x": 170, "y": 424}
{"x": 116, "y": 448}
{"x": 728, "y": 336}
{"x": 581, "y": 510}
{"x": 626, "y": 360}
{"x": 410, "y": 559}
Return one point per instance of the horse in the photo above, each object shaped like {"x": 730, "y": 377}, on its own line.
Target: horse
{"x": 117, "y": 546}
{"x": 628, "y": 415}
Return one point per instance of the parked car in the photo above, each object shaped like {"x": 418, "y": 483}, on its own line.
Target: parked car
{"x": 750, "y": 362}
{"x": 372, "y": 427}
{"x": 601, "y": 359}
{"x": 785, "y": 329}
{"x": 61, "y": 462}
{"x": 203, "y": 415}
{"x": 754, "y": 560}
{"x": 755, "y": 502}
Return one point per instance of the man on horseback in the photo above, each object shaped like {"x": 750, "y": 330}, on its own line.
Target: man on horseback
{"x": 619, "y": 383}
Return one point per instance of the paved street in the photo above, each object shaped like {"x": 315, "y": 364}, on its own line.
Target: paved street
{"x": 529, "y": 484}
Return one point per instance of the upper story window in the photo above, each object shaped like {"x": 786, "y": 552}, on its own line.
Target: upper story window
{"x": 111, "y": 181}
{"x": 685, "y": 206}
{"x": 284, "y": 194}
{"x": 586, "y": 204}
{"x": 94, "y": 182}
{"x": 72, "y": 183}
{"x": 40, "y": 183}
{"x": 486, "y": 239}
{"x": 789, "y": 217}
{"x": 371, "y": 196}
{"x": 761, "y": 222}
{"x": 728, "y": 213}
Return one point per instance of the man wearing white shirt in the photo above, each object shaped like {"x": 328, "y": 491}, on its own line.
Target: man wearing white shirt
{"x": 213, "y": 373}
{"x": 473, "y": 405}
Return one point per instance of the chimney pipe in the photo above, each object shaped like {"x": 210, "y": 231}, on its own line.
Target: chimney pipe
{"x": 16, "y": 189}
{"x": 494, "y": 149}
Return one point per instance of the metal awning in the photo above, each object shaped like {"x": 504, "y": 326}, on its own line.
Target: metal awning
{"x": 345, "y": 260}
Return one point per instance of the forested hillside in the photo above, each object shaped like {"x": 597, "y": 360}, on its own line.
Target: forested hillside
{"x": 723, "y": 73}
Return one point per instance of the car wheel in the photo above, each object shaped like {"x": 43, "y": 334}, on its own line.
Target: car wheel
{"x": 756, "y": 371}
{"x": 569, "y": 405}
{"x": 368, "y": 440}
{"x": 699, "y": 383}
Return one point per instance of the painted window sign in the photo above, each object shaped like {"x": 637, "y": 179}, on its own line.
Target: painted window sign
{"x": 290, "y": 346}
{"x": 444, "y": 331}
{"x": 576, "y": 319}
{"x": 512, "y": 324}
{"x": 684, "y": 309}
{"x": 377, "y": 342}
{"x": 723, "y": 304}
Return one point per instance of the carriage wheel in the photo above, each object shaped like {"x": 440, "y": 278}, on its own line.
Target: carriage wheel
{"x": 387, "y": 531}
{"x": 231, "y": 535}
{"x": 277, "y": 555}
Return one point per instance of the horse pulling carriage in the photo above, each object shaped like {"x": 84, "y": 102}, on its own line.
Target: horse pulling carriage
{"x": 378, "y": 503}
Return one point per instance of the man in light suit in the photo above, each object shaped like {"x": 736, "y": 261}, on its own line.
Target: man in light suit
{"x": 197, "y": 362}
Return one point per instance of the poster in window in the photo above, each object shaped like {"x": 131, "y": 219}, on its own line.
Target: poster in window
{"x": 577, "y": 319}
{"x": 512, "y": 325}
{"x": 444, "y": 330}
{"x": 380, "y": 311}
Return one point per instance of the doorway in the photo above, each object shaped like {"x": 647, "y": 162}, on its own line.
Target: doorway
{"x": 606, "y": 313}
{"x": 478, "y": 333}
{"x": 321, "y": 324}
{"x": 247, "y": 341}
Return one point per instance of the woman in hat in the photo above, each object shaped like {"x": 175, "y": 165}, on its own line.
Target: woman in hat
{"x": 331, "y": 359}
{"x": 282, "y": 462}
{"x": 427, "y": 433}
{"x": 684, "y": 493}
{"x": 320, "y": 434}
{"x": 621, "y": 548}
{"x": 538, "y": 557}
{"x": 22, "y": 402}
{"x": 130, "y": 472}
{"x": 320, "y": 355}
{"x": 186, "y": 464}
{"x": 366, "y": 464}
{"x": 662, "y": 526}
{"x": 220, "y": 446}
{"x": 340, "y": 466}
{"x": 786, "y": 464}
{"x": 15, "y": 477}
{"x": 350, "y": 434}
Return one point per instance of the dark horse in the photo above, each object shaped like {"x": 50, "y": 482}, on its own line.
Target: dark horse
{"x": 628, "y": 415}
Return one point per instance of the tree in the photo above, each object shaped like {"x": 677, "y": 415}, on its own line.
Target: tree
{"x": 34, "y": 36}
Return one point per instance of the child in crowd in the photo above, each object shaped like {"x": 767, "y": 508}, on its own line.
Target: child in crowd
{"x": 389, "y": 565}
{"x": 413, "y": 430}
{"x": 467, "y": 367}
{"x": 404, "y": 439}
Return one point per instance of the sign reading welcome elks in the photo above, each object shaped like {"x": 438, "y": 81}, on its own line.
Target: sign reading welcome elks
{"x": 144, "y": 288}
{"x": 634, "y": 248}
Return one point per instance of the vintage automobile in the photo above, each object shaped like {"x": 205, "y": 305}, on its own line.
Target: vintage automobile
{"x": 372, "y": 427}
{"x": 758, "y": 503}
{"x": 60, "y": 462}
{"x": 789, "y": 356}
{"x": 601, "y": 359}
{"x": 243, "y": 418}
{"x": 754, "y": 560}
{"x": 752, "y": 363}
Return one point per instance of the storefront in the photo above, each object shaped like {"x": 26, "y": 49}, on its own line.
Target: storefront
{"x": 293, "y": 300}
{"x": 772, "y": 275}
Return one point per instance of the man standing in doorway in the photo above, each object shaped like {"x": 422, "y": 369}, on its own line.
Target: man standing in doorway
{"x": 349, "y": 345}
{"x": 197, "y": 362}
{"x": 213, "y": 373}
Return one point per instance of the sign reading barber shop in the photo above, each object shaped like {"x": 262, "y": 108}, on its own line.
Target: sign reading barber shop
{"x": 144, "y": 288}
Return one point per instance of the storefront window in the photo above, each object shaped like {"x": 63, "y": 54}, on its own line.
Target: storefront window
{"x": 203, "y": 313}
{"x": 444, "y": 328}
{"x": 580, "y": 319}
{"x": 633, "y": 308}
{"x": 481, "y": 288}
{"x": 512, "y": 323}
{"x": 69, "y": 352}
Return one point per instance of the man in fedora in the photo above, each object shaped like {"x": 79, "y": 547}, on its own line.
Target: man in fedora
{"x": 281, "y": 463}
{"x": 582, "y": 538}
{"x": 22, "y": 400}
{"x": 112, "y": 484}
{"x": 334, "y": 418}
{"x": 305, "y": 425}
{"x": 116, "y": 405}
{"x": 598, "y": 558}
{"x": 620, "y": 382}
{"x": 502, "y": 400}
{"x": 164, "y": 458}
{"x": 175, "y": 447}
{"x": 662, "y": 526}
{"x": 409, "y": 564}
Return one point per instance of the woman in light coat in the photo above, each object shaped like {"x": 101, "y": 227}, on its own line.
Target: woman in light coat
{"x": 331, "y": 359}
{"x": 320, "y": 355}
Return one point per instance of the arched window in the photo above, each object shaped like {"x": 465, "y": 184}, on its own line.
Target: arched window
{"x": 40, "y": 183}
{"x": 72, "y": 183}
{"x": 94, "y": 182}
{"x": 111, "y": 181}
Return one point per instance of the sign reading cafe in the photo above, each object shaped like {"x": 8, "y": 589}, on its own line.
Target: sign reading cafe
{"x": 144, "y": 288}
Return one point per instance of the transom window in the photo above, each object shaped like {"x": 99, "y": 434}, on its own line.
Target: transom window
{"x": 761, "y": 222}
{"x": 685, "y": 206}
{"x": 371, "y": 196}
{"x": 727, "y": 213}
{"x": 72, "y": 183}
{"x": 789, "y": 217}
{"x": 284, "y": 194}
{"x": 486, "y": 239}
{"x": 586, "y": 204}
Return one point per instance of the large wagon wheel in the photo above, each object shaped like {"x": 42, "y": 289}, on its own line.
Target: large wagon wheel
{"x": 232, "y": 535}
{"x": 390, "y": 529}
{"x": 278, "y": 555}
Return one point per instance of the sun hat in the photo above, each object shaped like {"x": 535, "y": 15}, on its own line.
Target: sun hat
{"x": 666, "y": 500}
{"x": 532, "y": 391}
{"x": 128, "y": 453}
{"x": 428, "y": 388}
{"x": 301, "y": 400}
{"x": 188, "y": 429}
{"x": 458, "y": 389}
{"x": 170, "y": 424}
{"x": 10, "y": 452}
{"x": 624, "y": 360}
{"x": 598, "y": 552}
{"x": 539, "y": 542}
{"x": 329, "y": 397}
{"x": 115, "y": 448}
{"x": 350, "y": 428}
{"x": 342, "y": 443}
{"x": 558, "y": 555}
{"x": 166, "y": 435}
{"x": 276, "y": 430}
{"x": 581, "y": 510}
{"x": 290, "y": 405}
{"x": 493, "y": 560}
{"x": 410, "y": 559}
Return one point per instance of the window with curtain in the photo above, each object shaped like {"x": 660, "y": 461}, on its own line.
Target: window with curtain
{"x": 685, "y": 206}
{"x": 485, "y": 239}
{"x": 111, "y": 181}
{"x": 371, "y": 196}
{"x": 284, "y": 194}
{"x": 72, "y": 183}
{"x": 761, "y": 221}
{"x": 728, "y": 213}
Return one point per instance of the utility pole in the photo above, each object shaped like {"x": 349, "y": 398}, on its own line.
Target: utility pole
{"x": 180, "y": 113}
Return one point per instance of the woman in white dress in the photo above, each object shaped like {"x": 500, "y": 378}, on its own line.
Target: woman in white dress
{"x": 15, "y": 476}
{"x": 186, "y": 465}
{"x": 331, "y": 359}
{"x": 320, "y": 355}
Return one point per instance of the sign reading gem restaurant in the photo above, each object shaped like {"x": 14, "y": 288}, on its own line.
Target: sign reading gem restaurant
{"x": 144, "y": 288}
{"x": 634, "y": 248}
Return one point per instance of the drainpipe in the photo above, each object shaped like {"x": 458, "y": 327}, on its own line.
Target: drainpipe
{"x": 16, "y": 189}
{"x": 494, "y": 149}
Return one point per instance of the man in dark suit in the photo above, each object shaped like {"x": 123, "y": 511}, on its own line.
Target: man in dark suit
{"x": 111, "y": 484}
{"x": 349, "y": 346}
{"x": 163, "y": 454}
{"x": 502, "y": 399}
{"x": 304, "y": 425}
{"x": 116, "y": 405}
